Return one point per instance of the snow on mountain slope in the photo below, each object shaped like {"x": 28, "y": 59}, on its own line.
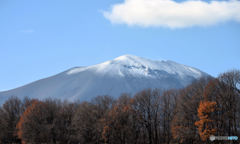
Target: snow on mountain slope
{"x": 133, "y": 65}
{"x": 124, "y": 74}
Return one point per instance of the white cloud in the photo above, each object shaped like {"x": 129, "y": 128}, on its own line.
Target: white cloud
{"x": 168, "y": 13}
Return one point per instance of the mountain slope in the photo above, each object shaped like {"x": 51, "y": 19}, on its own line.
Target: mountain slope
{"x": 126, "y": 73}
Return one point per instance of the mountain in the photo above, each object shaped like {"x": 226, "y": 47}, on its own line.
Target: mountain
{"x": 124, "y": 74}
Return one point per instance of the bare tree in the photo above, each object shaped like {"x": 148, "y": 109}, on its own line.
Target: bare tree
{"x": 147, "y": 106}
{"x": 9, "y": 116}
{"x": 168, "y": 105}
{"x": 88, "y": 117}
{"x": 120, "y": 124}
{"x": 230, "y": 87}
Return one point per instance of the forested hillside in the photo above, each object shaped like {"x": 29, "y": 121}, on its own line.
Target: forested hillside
{"x": 209, "y": 106}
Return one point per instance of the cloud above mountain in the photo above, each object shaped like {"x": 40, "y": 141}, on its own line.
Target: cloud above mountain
{"x": 169, "y": 13}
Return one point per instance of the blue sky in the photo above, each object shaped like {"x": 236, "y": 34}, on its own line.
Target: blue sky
{"x": 42, "y": 38}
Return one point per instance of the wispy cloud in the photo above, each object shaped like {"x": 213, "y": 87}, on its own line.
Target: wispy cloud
{"x": 168, "y": 13}
{"x": 27, "y": 31}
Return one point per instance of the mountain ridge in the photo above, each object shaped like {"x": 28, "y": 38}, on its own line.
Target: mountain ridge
{"x": 124, "y": 74}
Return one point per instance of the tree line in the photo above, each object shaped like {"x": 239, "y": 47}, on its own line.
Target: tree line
{"x": 209, "y": 106}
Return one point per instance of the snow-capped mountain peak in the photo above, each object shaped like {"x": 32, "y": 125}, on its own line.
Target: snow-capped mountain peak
{"x": 132, "y": 65}
{"x": 124, "y": 74}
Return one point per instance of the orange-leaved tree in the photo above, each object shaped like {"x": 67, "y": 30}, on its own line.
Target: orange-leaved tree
{"x": 206, "y": 123}
{"x": 120, "y": 123}
{"x": 23, "y": 119}
{"x": 39, "y": 123}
